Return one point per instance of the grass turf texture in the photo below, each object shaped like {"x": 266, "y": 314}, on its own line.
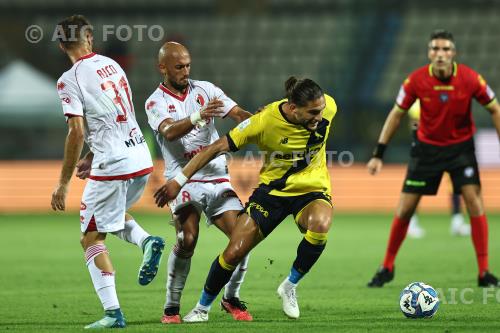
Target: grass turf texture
{"x": 45, "y": 286}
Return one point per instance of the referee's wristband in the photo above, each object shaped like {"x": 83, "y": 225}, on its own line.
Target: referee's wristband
{"x": 181, "y": 179}
{"x": 379, "y": 150}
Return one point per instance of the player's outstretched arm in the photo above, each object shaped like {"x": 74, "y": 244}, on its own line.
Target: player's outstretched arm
{"x": 390, "y": 126}
{"x": 173, "y": 130}
{"x": 238, "y": 114}
{"x": 172, "y": 187}
{"x": 72, "y": 150}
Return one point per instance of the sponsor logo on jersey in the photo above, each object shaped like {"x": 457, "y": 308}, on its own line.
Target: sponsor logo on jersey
{"x": 444, "y": 88}
{"x": 200, "y": 100}
{"x": 190, "y": 154}
{"x": 284, "y": 141}
{"x": 83, "y": 206}
{"x": 296, "y": 155}
{"x": 171, "y": 108}
{"x": 60, "y": 86}
{"x": 136, "y": 138}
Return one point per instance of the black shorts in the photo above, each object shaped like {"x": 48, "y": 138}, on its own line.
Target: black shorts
{"x": 428, "y": 162}
{"x": 269, "y": 210}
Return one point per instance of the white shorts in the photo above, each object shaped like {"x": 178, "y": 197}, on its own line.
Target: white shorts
{"x": 210, "y": 198}
{"x": 104, "y": 203}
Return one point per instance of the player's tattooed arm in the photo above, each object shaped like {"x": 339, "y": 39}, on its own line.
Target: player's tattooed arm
{"x": 72, "y": 150}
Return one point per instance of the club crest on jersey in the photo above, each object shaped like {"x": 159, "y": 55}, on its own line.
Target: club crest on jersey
{"x": 443, "y": 97}
{"x": 200, "y": 100}
{"x": 171, "y": 108}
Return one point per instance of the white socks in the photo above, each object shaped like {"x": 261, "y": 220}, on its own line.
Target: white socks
{"x": 177, "y": 272}
{"x": 233, "y": 286}
{"x": 132, "y": 233}
{"x": 104, "y": 282}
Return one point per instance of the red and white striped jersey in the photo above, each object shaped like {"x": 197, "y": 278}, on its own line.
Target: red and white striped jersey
{"x": 163, "y": 104}
{"x": 96, "y": 88}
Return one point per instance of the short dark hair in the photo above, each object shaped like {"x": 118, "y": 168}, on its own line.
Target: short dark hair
{"x": 72, "y": 30}
{"x": 300, "y": 92}
{"x": 442, "y": 34}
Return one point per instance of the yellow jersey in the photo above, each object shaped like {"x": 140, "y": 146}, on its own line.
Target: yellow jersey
{"x": 295, "y": 158}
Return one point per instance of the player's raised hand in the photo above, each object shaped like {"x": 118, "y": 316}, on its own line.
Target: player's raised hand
{"x": 167, "y": 193}
{"x": 374, "y": 165}
{"x": 59, "y": 197}
{"x": 83, "y": 168}
{"x": 214, "y": 108}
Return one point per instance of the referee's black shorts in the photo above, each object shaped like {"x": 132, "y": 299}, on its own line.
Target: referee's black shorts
{"x": 428, "y": 162}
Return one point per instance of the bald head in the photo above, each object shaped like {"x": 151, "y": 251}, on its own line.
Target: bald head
{"x": 174, "y": 62}
{"x": 170, "y": 51}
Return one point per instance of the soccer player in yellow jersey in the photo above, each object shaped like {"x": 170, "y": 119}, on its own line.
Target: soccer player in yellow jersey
{"x": 294, "y": 180}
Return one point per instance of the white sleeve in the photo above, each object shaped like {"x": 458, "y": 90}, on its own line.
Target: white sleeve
{"x": 157, "y": 112}
{"x": 216, "y": 92}
{"x": 71, "y": 98}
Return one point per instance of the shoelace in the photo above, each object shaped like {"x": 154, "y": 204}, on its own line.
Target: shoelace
{"x": 292, "y": 297}
{"x": 242, "y": 305}
{"x": 199, "y": 311}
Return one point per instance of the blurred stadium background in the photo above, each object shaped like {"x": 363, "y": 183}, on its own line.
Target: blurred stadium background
{"x": 359, "y": 51}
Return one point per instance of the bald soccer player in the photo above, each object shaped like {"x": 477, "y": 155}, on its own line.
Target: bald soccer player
{"x": 182, "y": 113}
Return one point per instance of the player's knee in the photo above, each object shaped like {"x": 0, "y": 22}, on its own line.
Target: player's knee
{"x": 188, "y": 242}
{"x": 234, "y": 255}
{"x": 320, "y": 223}
{"x": 83, "y": 242}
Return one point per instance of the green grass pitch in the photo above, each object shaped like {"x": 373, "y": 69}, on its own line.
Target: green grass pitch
{"x": 45, "y": 286}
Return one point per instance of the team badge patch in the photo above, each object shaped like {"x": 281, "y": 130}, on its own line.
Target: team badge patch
{"x": 243, "y": 124}
{"x": 200, "y": 100}
{"x": 469, "y": 172}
